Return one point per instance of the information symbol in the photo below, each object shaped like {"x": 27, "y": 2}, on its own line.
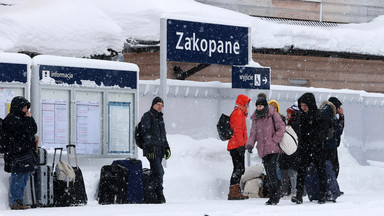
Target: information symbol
{"x": 257, "y": 80}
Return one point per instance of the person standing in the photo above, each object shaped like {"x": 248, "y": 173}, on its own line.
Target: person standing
{"x": 268, "y": 130}
{"x": 333, "y": 144}
{"x": 19, "y": 130}
{"x": 312, "y": 135}
{"x": 288, "y": 163}
{"x": 236, "y": 145}
{"x": 155, "y": 145}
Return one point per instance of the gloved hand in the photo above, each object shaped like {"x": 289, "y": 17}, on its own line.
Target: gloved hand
{"x": 151, "y": 154}
{"x": 168, "y": 154}
{"x": 249, "y": 150}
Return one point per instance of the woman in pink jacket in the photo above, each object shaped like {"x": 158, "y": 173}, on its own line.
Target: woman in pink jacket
{"x": 267, "y": 129}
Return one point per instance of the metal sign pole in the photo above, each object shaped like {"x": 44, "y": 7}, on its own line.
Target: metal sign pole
{"x": 163, "y": 64}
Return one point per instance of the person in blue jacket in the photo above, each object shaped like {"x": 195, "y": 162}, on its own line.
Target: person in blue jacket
{"x": 333, "y": 144}
{"x": 155, "y": 146}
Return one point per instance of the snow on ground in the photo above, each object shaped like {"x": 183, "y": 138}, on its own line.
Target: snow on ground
{"x": 197, "y": 180}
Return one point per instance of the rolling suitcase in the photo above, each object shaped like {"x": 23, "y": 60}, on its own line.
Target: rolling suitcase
{"x": 149, "y": 187}
{"x": 44, "y": 181}
{"x": 113, "y": 184}
{"x": 78, "y": 190}
{"x": 313, "y": 187}
{"x": 135, "y": 190}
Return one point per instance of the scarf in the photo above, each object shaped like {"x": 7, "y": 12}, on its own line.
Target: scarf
{"x": 262, "y": 113}
{"x": 242, "y": 109}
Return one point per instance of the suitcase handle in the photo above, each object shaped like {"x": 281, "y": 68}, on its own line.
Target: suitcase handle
{"x": 69, "y": 152}
{"x": 54, "y": 156}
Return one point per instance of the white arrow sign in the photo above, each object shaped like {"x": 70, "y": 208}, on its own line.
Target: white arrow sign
{"x": 265, "y": 80}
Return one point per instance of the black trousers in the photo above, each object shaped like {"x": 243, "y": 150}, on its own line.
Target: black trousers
{"x": 318, "y": 160}
{"x": 238, "y": 164}
{"x": 157, "y": 173}
{"x": 270, "y": 164}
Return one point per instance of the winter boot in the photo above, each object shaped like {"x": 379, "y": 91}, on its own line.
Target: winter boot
{"x": 19, "y": 206}
{"x": 297, "y": 199}
{"x": 274, "y": 199}
{"x": 234, "y": 193}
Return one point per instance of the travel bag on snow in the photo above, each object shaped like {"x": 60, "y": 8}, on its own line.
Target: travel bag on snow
{"x": 312, "y": 184}
{"x": 113, "y": 185}
{"x": 68, "y": 191}
{"x": 135, "y": 190}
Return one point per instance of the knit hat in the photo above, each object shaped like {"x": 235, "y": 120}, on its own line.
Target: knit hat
{"x": 261, "y": 99}
{"x": 335, "y": 102}
{"x": 293, "y": 108}
{"x": 157, "y": 100}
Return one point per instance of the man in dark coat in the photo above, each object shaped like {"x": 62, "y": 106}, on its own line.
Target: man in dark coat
{"x": 19, "y": 129}
{"x": 155, "y": 145}
{"x": 311, "y": 145}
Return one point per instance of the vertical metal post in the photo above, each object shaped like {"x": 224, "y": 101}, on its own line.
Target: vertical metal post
{"x": 163, "y": 64}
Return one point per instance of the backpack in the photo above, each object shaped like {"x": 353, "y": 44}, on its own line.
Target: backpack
{"x": 139, "y": 139}
{"x": 224, "y": 127}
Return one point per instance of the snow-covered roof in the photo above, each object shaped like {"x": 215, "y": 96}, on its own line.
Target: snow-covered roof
{"x": 84, "y": 28}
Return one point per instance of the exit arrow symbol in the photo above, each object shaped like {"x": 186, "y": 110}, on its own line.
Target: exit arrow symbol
{"x": 265, "y": 80}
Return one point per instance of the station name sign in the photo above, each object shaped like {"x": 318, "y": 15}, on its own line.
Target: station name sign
{"x": 207, "y": 43}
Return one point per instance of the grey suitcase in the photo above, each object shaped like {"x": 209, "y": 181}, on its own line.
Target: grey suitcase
{"x": 44, "y": 186}
{"x": 29, "y": 195}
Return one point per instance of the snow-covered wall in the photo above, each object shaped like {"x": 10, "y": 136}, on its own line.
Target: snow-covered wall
{"x": 193, "y": 109}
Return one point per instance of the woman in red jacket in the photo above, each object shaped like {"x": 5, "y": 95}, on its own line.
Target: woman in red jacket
{"x": 236, "y": 145}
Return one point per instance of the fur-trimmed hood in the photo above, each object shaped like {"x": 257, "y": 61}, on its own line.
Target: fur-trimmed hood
{"x": 328, "y": 108}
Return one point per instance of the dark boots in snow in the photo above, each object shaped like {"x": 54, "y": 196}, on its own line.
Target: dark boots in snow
{"x": 234, "y": 193}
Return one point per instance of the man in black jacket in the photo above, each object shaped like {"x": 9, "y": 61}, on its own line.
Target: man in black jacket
{"x": 19, "y": 129}
{"x": 312, "y": 134}
{"x": 155, "y": 145}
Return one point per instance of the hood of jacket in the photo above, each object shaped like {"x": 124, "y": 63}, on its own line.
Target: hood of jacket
{"x": 17, "y": 105}
{"x": 242, "y": 100}
{"x": 328, "y": 109}
{"x": 274, "y": 103}
{"x": 309, "y": 99}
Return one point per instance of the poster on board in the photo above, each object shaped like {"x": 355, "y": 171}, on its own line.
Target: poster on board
{"x": 119, "y": 121}
{"x": 88, "y": 127}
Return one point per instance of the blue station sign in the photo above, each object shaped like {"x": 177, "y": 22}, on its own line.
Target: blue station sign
{"x": 251, "y": 77}
{"x": 72, "y": 75}
{"x": 10, "y": 72}
{"x": 207, "y": 43}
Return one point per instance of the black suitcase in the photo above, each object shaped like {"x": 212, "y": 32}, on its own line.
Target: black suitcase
{"x": 71, "y": 194}
{"x": 61, "y": 190}
{"x": 113, "y": 184}
{"x": 78, "y": 190}
{"x": 149, "y": 187}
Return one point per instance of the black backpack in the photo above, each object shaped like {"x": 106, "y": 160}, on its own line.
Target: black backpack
{"x": 138, "y": 133}
{"x": 224, "y": 127}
